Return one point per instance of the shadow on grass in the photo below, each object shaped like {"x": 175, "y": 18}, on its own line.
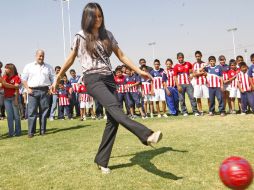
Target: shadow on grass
{"x": 49, "y": 131}
{"x": 57, "y": 130}
{"x": 143, "y": 159}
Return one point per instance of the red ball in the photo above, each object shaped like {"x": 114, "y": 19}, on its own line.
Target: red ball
{"x": 236, "y": 173}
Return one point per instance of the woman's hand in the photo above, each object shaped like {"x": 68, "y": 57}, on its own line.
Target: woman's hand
{"x": 54, "y": 85}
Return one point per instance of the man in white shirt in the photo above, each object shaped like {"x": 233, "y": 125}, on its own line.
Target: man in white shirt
{"x": 37, "y": 78}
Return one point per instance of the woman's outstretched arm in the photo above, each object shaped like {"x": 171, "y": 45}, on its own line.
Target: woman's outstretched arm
{"x": 125, "y": 60}
{"x": 68, "y": 63}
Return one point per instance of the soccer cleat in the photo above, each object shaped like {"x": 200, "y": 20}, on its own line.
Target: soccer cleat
{"x": 243, "y": 113}
{"x": 154, "y": 138}
{"x": 185, "y": 114}
{"x": 51, "y": 119}
{"x": 159, "y": 116}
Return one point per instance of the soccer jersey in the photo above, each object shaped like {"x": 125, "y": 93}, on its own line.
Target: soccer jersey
{"x": 225, "y": 76}
{"x": 251, "y": 72}
{"x": 15, "y": 79}
{"x": 231, "y": 74}
{"x": 82, "y": 89}
{"x": 146, "y": 86}
{"x": 120, "y": 84}
{"x": 168, "y": 77}
{"x": 225, "y": 68}
{"x": 74, "y": 83}
{"x": 199, "y": 80}
{"x": 157, "y": 78}
{"x": 182, "y": 71}
{"x": 63, "y": 97}
{"x": 130, "y": 80}
{"x": 214, "y": 75}
{"x": 244, "y": 82}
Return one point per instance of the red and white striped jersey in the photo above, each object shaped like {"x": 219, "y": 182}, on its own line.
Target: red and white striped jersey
{"x": 199, "y": 80}
{"x": 120, "y": 88}
{"x": 183, "y": 78}
{"x": 131, "y": 89}
{"x": 244, "y": 82}
{"x": 85, "y": 98}
{"x": 225, "y": 76}
{"x": 74, "y": 87}
{"x": 146, "y": 87}
{"x": 182, "y": 71}
{"x": 213, "y": 80}
{"x": 120, "y": 84}
{"x": 169, "y": 73}
{"x": 157, "y": 83}
{"x": 63, "y": 100}
{"x": 231, "y": 74}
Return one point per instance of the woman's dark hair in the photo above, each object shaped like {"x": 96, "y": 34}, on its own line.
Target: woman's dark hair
{"x": 12, "y": 67}
{"x": 87, "y": 23}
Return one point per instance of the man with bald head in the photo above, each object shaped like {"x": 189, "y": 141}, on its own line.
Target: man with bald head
{"x": 37, "y": 78}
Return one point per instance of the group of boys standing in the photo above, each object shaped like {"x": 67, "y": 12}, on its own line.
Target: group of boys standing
{"x": 199, "y": 80}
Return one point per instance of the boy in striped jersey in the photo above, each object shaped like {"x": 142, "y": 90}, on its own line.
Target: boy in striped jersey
{"x": 120, "y": 87}
{"x": 234, "y": 90}
{"x": 171, "y": 92}
{"x": 146, "y": 92}
{"x": 215, "y": 85}
{"x": 64, "y": 95}
{"x": 85, "y": 101}
{"x": 244, "y": 84}
{"x": 199, "y": 82}
{"x": 182, "y": 71}
{"x": 158, "y": 91}
{"x": 225, "y": 68}
{"x": 132, "y": 81}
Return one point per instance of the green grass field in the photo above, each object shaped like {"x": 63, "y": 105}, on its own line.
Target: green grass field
{"x": 188, "y": 157}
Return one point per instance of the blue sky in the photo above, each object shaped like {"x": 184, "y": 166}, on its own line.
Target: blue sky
{"x": 175, "y": 25}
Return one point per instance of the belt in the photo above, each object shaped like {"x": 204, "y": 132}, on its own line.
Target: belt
{"x": 44, "y": 88}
